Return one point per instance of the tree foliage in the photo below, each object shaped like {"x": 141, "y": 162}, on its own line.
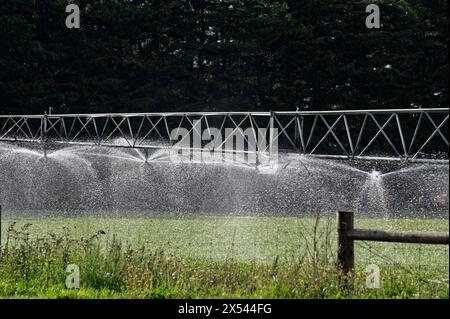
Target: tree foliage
{"x": 154, "y": 55}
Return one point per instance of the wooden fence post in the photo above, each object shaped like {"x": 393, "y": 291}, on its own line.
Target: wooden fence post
{"x": 346, "y": 257}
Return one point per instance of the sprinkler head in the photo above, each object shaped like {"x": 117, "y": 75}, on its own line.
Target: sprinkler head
{"x": 375, "y": 174}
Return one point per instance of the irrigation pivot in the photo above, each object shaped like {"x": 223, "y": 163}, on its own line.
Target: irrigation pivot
{"x": 394, "y": 134}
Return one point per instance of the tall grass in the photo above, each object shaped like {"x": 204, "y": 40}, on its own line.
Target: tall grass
{"x": 111, "y": 269}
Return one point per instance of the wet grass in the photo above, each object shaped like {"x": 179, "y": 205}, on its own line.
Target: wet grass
{"x": 212, "y": 257}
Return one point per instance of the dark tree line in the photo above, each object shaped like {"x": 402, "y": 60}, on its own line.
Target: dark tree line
{"x": 143, "y": 55}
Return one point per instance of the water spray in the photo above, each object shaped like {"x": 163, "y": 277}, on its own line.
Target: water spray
{"x": 375, "y": 174}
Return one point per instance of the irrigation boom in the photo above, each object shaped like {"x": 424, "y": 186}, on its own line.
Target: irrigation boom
{"x": 395, "y": 134}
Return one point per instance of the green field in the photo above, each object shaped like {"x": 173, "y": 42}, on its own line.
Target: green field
{"x": 213, "y": 257}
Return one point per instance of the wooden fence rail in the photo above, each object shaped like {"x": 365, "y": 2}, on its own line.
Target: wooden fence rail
{"x": 347, "y": 234}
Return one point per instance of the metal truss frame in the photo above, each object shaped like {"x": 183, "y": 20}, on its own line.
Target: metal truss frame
{"x": 391, "y": 134}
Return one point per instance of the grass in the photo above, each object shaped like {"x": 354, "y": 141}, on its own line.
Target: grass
{"x": 212, "y": 257}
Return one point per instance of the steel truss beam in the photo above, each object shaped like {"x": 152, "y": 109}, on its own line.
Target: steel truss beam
{"x": 397, "y": 134}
